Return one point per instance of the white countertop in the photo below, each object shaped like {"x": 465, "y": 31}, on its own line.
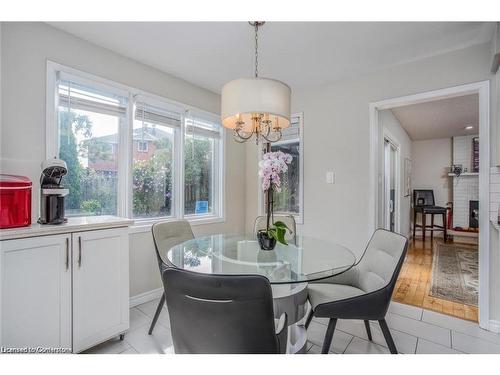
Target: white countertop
{"x": 74, "y": 224}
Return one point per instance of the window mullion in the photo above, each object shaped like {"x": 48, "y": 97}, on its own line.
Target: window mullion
{"x": 220, "y": 167}
{"x": 126, "y": 159}
{"x": 180, "y": 169}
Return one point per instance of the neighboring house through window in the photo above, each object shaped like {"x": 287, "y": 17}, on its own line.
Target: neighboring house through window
{"x": 142, "y": 146}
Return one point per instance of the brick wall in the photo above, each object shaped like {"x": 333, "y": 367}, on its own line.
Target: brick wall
{"x": 494, "y": 192}
{"x": 465, "y": 188}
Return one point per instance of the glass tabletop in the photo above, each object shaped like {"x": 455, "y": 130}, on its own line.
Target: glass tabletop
{"x": 311, "y": 259}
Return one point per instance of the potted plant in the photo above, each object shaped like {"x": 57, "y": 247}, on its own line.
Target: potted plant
{"x": 272, "y": 165}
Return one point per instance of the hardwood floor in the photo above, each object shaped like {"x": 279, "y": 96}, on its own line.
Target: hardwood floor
{"x": 413, "y": 284}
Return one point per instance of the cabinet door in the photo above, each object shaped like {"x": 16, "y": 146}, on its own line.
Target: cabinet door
{"x": 36, "y": 292}
{"x": 100, "y": 286}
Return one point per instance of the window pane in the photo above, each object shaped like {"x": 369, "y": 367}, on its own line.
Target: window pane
{"x": 287, "y": 201}
{"x": 198, "y": 174}
{"x": 153, "y": 150}
{"x": 88, "y": 142}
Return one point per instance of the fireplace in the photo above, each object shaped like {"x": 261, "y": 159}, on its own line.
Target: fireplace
{"x": 473, "y": 214}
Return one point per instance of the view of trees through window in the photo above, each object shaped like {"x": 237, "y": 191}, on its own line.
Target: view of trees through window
{"x": 198, "y": 174}
{"x": 91, "y": 160}
{"x": 288, "y": 200}
{"x": 152, "y": 169}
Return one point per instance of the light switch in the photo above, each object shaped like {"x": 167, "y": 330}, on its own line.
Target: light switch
{"x": 330, "y": 177}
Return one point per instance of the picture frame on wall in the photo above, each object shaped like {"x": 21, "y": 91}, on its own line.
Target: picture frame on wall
{"x": 475, "y": 154}
{"x": 407, "y": 176}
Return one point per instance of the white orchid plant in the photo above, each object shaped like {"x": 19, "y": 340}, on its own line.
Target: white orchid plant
{"x": 272, "y": 165}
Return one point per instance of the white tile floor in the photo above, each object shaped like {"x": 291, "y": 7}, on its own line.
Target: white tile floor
{"x": 414, "y": 331}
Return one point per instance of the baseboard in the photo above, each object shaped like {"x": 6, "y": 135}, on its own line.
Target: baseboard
{"x": 494, "y": 326}
{"x": 139, "y": 299}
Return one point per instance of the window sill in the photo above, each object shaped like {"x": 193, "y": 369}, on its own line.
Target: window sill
{"x": 142, "y": 226}
{"x": 299, "y": 220}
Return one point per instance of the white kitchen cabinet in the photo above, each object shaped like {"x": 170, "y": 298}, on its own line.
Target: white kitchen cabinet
{"x": 100, "y": 286}
{"x": 36, "y": 292}
{"x": 64, "y": 286}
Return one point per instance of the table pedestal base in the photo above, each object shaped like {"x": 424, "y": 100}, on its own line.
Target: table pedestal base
{"x": 292, "y": 300}
{"x": 297, "y": 339}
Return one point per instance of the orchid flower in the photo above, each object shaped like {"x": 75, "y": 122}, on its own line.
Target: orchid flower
{"x": 270, "y": 168}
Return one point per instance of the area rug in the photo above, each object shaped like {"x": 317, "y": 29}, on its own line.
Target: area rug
{"x": 455, "y": 273}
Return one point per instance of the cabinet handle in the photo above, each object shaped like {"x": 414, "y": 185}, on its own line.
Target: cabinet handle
{"x": 67, "y": 253}
{"x": 79, "y": 251}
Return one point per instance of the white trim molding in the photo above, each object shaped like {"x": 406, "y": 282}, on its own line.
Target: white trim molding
{"x": 483, "y": 90}
{"x": 139, "y": 299}
{"x": 494, "y": 326}
{"x": 397, "y": 195}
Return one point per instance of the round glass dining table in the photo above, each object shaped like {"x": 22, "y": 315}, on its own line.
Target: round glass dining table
{"x": 288, "y": 268}
{"x": 310, "y": 259}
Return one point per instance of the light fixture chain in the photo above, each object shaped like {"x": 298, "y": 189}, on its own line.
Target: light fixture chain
{"x": 256, "y": 49}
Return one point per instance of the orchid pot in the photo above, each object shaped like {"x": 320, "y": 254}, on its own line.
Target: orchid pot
{"x": 265, "y": 241}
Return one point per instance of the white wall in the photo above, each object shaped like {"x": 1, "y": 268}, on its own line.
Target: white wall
{"x": 26, "y": 47}
{"x": 390, "y": 125}
{"x": 432, "y": 159}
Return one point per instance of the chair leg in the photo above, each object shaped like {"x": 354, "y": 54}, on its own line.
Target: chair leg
{"x": 329, "y": 336}
{"x": 368, "y": 330}
{"x": 424, "y": 216}
{"x": 432, "y": 227}
{"x": 445, "y": 224}
{"x": 157, "y": 313}
{"x": 309, "y": 318}
{"x": 388, "y": 336}
{"x": 414, "y": 222}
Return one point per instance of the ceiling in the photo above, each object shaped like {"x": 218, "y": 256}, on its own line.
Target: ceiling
{"x": 443, "y": 118}
{"x": 302, "y": 54}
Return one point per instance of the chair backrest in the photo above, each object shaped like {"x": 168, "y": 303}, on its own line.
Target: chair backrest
{"x": 220, "y": 313}
{"x": 167, "y": 234}
{"x": 380, "y": 265}
{"x": 289, "y": 220}
{"x": 423, "y": 198}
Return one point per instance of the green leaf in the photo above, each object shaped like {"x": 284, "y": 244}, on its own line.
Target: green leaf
{"x": 280, "y": 235}
{"x": 271, "y": 233}
{"x": 280, "y": 224}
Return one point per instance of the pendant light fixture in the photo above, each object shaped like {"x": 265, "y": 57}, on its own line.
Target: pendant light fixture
{"x": 259, "y": 106}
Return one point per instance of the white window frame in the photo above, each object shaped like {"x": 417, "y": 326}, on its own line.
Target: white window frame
{"x": 140, "y": 149}
{"x": 125, "y": 157}
{"x": 217, "y": 180}
{"x": 299, "y": 218}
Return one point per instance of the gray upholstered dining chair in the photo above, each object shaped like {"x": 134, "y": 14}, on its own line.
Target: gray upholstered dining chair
{"x": 364, "y": 291}
{"x": 167, "y": 234}
{"x": 289, "y": 220}
{"x": 224, "y": 314}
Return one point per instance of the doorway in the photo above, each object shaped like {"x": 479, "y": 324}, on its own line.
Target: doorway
{"x": 391, "y": 185}
{"x": 481, "y": 89}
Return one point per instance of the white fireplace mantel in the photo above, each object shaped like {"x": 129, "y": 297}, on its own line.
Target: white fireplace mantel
{"x": 465, "y": 174}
